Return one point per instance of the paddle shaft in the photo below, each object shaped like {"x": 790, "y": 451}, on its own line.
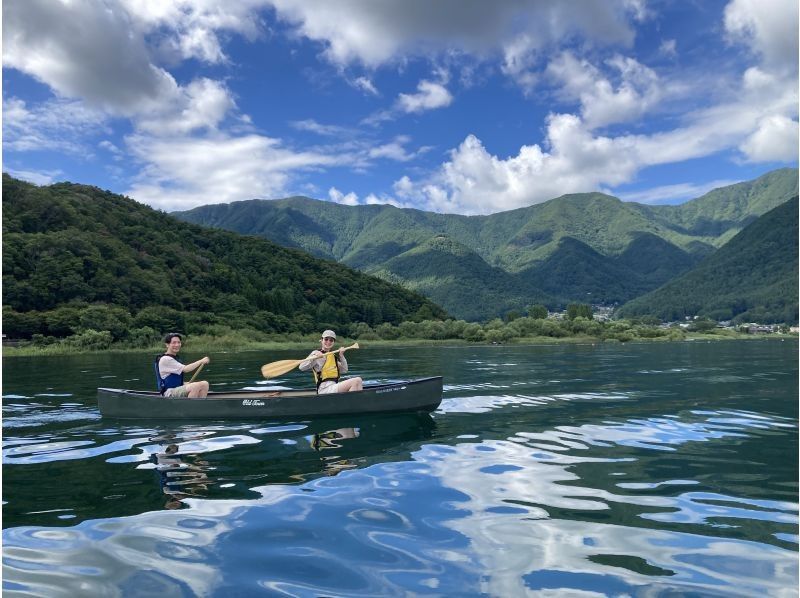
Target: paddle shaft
{"x": 197, "y": 371}
{"x": 276, "y": 368}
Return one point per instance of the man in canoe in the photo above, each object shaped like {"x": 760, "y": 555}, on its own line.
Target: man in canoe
{"x": 169, "y": 372}
{"x": 328, "y": 365}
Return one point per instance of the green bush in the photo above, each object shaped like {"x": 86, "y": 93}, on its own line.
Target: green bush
{"x": 90, "y": 339}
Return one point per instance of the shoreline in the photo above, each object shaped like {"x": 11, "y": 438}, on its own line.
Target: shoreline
{"x": 205, "y": 344}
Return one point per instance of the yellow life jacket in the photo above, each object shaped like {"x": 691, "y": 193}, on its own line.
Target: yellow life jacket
{"x": 330, "y": 370}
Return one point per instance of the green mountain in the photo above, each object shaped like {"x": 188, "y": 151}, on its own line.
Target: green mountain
{"x": 654, "y": 259}
{"x": 577, "y": 271}
{"x": 753, "y": 277}
{"x": 637, "y": 247}
{"x": 719, "y": 214}
{"x": 457, "y": 278}
{"x": 78, "y": 258}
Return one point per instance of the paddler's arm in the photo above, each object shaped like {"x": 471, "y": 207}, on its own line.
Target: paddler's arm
{"x": 343, "y": 367}
{"x": 310, "y": 361}
{"x": 190, "y": 367}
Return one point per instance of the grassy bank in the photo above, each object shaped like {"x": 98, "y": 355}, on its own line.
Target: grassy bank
{"x": 231, "y": 342}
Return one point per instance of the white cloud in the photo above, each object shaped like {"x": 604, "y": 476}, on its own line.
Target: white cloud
{"x": 201, "y": 105}
{"x": 84, "y": 50}
{"x": 351, "y": 199}
{"x": 47, "y": 177}
{"x": 324, "y": 130}
{"x": 181, "y": 173}
{"x": 775, "y": 139}
{"x": 189, "y": 28}
{"x": 673, "y": 194}
{"x": 364, "y": 84}
{"x": 55, "y": 125}
{"x": 638, "y": 90}
{"x": 769, "y": 27}
{"x": 519, "y": 61}
{"x": 394, "y": 150}
{"x": 374, "y": 33}
{"x": 430, "y": 96}
{"x": 473, "y": 181}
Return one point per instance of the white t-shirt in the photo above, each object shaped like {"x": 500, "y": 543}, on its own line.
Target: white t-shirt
{"x": 169, "y": 365}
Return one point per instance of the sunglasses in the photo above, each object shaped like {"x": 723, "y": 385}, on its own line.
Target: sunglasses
{"x": 329, "y": 339}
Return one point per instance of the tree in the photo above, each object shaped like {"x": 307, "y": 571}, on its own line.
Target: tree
{"x": 576, "y": 310}
{"x": 537, "y": 312}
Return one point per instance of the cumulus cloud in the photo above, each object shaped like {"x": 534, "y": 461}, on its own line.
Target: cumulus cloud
{"x": 84, "y": 50}
{"x": 637, "y": 92}
{"x": 768, "y": 27}
{"x": 374, "y": 33}
{"x": 182, "y": 173}
{"x": 351, "y": 199}
{"x": 201, "y": 105}
{"x": 775, "y": 139}
{"x": 576, "y": 160}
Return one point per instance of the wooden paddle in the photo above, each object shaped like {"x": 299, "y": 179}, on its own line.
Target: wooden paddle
{"x": 197, "y": 371}
{"x": 276, "y": 368}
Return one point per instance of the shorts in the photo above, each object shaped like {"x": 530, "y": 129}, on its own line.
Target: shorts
{"x": 327, "y": 388}
{"x": 181, "y": 392}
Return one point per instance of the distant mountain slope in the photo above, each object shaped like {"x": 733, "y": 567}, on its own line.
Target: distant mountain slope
{"x": 655, "y": 260}
{"x": 67, "y": 246}
{"x": 575, "y": 269}
{"x": 461, "y": 282}
{"x": 751, "y": 278}
{"x": 642, "y": 246}
{"x": 720, "y": 214}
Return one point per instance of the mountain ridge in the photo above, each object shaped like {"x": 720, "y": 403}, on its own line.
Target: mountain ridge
{"x": 520, "y": 241}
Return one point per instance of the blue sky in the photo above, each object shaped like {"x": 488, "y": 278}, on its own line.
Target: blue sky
{"x": 456, "y": 106}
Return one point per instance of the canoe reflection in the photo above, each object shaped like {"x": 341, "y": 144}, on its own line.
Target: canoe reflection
{"x": 327, "y": 440}
{"x": 331, "y": 440}
{"x": 224, "y": 462}
{"x": 180, "y": 475}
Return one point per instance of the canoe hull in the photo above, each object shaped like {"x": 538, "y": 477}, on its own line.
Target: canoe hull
{"x": 422, "y": 395}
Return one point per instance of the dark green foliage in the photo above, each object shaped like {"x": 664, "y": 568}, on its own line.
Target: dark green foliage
{"x": 457, "y": 278}
{"x": 655, "y": 260}
{"x": 575, "y": 270}
{"x": 579, "y": 310}
{"x": 751, "y": 278}
{"x": 78, "y": 260}
{"x": 537, "y": 312}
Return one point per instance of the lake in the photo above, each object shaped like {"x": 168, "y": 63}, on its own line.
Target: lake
{"x": 607, "y": 469}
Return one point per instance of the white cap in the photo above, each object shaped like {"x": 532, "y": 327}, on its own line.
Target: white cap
{"x": 330, "y": 333}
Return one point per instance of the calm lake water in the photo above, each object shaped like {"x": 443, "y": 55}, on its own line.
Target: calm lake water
{"x": 637, "y": 469}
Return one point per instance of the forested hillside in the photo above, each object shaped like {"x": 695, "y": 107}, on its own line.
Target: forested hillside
{"x": 579, "y": 247}
{"x": 76, "y": 258}
{"x": 753, "y": 278}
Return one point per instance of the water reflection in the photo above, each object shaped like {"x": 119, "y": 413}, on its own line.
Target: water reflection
{"x": 649, "y": 470}
{"x": 181, "y": 475}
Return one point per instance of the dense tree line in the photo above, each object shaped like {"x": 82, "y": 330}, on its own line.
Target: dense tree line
{"x": 78, "y": 259}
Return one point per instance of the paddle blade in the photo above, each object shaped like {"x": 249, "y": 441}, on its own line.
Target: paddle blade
{"x": 277, "y": 368}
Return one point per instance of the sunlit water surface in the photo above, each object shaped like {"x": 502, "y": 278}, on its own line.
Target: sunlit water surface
{"x": 645, "y": 469}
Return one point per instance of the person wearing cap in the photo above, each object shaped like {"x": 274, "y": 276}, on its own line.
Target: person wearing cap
{"x": 327, "y": 367}
{"x": 169, "y": 372}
